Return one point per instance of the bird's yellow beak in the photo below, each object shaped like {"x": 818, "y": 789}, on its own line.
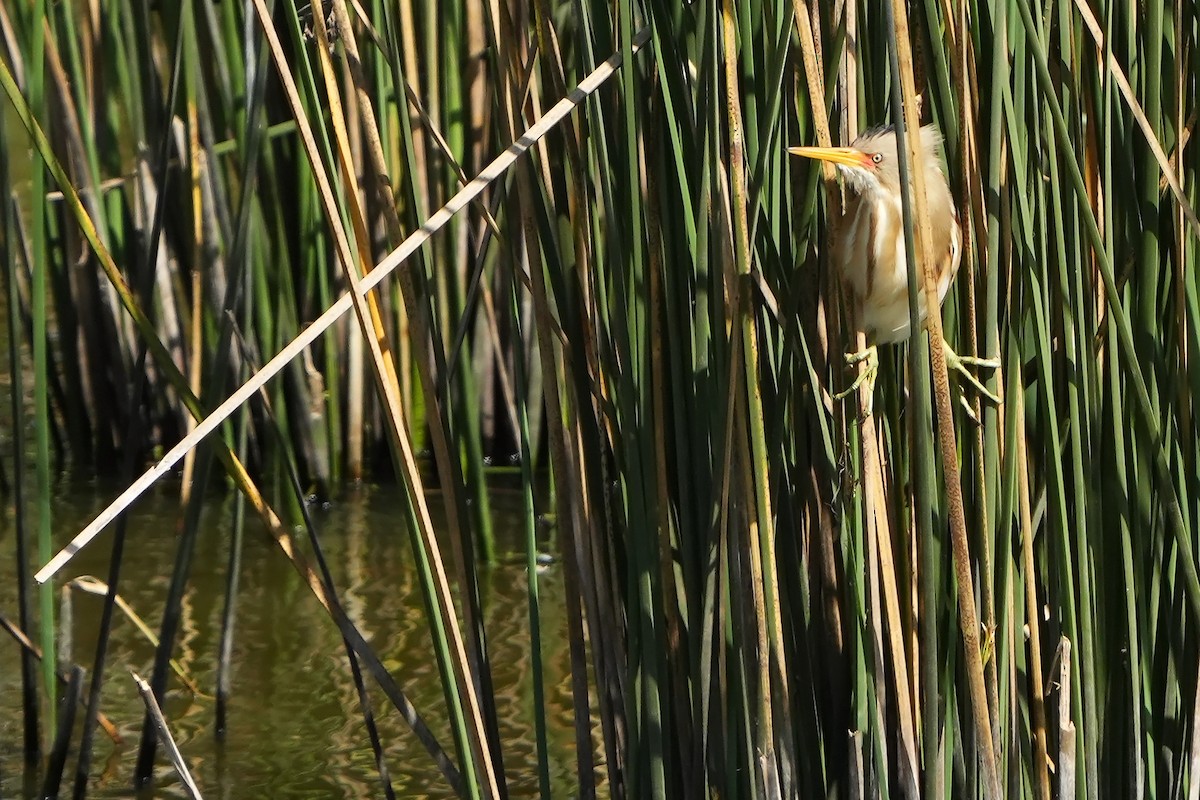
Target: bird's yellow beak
{"x": 846, "y": 156}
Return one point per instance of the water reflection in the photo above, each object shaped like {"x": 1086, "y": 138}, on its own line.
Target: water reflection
{"x": 295, "y": 729}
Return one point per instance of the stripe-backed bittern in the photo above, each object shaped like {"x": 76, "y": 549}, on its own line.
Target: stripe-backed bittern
{"x": 868, "y": 242}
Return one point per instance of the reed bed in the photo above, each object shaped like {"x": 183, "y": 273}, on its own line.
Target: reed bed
{"x": 770, "y": 593}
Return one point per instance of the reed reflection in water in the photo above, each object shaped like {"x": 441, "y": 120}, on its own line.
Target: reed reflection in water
{"x": 295, "y": 728}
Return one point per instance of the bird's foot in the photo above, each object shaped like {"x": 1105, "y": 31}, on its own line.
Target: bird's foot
{"x": 866, "y": 374}
{"x": 960, "y": 363}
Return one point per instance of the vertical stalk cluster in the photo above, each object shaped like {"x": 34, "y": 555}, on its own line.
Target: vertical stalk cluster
{"x": 433, "y": 243}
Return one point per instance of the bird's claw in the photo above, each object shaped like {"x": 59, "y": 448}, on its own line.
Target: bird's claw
{"x": 959, "y": 363}
{"x": 866, "y": 375}
{"x": 869, "y": 358}
{"x": 870, "y": 355}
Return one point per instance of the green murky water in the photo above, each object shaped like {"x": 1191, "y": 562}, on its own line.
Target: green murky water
{"x": 295, "y": 730}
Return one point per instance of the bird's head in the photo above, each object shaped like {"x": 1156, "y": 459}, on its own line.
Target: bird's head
{"x": 870, "y": 164}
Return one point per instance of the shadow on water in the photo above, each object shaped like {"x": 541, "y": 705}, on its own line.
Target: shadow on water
{"x": 295, "y": 730}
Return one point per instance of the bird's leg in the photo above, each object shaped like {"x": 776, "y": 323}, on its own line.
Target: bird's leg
{"x": 865, "y": 375}
{"x": 959, "y": 363}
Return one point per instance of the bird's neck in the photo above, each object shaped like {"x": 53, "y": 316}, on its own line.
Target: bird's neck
{"x": 862, "y": 183}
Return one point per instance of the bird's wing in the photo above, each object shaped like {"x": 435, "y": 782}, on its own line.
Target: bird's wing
{"x": 950, "y": 262}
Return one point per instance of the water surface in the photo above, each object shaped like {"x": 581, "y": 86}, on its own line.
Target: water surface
{"x": 295, "y": 728}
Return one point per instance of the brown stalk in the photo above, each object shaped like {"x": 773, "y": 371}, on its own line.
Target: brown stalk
{"x": 879, "y": 530}
{"x": 355, "y": 403}
{"x": 814, "y": 76}
{"x": 359, "y": 414}
{"x": 195, "y": 336}
{"x": 164, "y": 735}
{"x": 94, "y": 314}
{"x": 968, "y": 618}
{"x": 197, "y": 312}
{"x": 962, "y": 72}
{"x": 165, "y": 267}
{"x": 875, "y": 622}
{"x": 445, "y": 453}
{"x": 715, "y": 634}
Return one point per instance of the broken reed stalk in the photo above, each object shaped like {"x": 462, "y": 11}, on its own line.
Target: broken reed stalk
{"x": 164, "y": 733}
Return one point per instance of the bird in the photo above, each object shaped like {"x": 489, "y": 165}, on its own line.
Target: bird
{"x": 868, "y": 251}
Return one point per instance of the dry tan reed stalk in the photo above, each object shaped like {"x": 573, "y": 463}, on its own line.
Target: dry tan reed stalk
{"x": 164, "y": 734}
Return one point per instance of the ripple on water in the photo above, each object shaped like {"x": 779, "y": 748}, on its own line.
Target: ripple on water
{"x": 295, "y": 728}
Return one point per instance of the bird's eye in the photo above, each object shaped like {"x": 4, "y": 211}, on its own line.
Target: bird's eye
{"x": 877, "y": 158}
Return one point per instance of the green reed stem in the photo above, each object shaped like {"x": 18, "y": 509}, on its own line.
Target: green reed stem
{"x": 40, "y": 268}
